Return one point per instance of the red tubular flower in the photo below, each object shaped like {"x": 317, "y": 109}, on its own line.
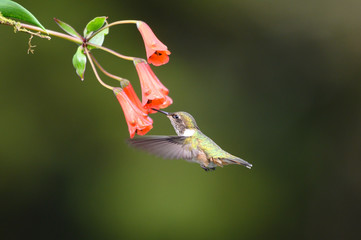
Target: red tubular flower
{"x": 157, "y": 52}
{"x": 129, "y": 91}
{"x": 138, "y": 121}
{"x": 154, "y": 93}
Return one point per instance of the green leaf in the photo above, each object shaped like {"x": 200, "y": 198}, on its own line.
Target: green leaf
{"x": 98, "y": 39}
{"x": 14, "y": 10}
{"x": 79, "y": 62}
{"x": 67, "y": 28}
{"x": 90, "y": 31}
{"x": 94, "y": 25}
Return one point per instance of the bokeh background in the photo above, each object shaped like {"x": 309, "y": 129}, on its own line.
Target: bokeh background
{"x": 274, "y": 82}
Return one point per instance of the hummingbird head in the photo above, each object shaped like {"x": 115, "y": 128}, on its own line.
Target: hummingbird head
{"x": 183, "y": 123}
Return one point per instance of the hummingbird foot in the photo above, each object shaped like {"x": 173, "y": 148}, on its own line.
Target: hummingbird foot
{"x": 205, "y": 168}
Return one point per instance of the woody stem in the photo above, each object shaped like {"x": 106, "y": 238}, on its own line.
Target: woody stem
{"x": 52, "y": 33}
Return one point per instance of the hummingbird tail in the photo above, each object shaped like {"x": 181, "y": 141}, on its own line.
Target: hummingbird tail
{"x": 238, "y": 161}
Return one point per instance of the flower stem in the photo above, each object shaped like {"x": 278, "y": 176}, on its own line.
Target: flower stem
{"x": 111, "y": 52}
{"x": 113, "y": 24}
{"x": 95, "y": 71}
{"x": 123, "y": 81}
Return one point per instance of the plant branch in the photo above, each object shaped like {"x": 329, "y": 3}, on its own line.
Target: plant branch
{"x": 74, "y": 39}
{"x": 52, "y": 33}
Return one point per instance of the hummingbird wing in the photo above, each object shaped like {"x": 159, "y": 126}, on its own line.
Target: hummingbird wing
{"x": 170, "y": 147}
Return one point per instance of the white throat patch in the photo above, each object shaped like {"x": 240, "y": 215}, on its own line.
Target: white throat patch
{"x": 188, "y": 132}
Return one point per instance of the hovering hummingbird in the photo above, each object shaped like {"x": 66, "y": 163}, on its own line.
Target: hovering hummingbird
{"x": 190, "y": 144}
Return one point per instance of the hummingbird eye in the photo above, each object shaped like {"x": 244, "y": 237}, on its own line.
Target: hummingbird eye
{"x": 175, "y": 116}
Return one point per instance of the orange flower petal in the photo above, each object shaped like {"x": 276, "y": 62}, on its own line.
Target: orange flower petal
{"x": 159, "y": 58}
{"x": 168, "y": 101}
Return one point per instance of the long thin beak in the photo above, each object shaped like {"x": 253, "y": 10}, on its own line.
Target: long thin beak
{"x": 160, "y": 111}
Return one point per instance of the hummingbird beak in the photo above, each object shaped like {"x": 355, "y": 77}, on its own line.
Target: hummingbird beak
{"x": 160, "y": 111}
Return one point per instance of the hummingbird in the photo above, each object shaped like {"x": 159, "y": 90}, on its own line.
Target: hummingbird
{"x": 190, "y": 144}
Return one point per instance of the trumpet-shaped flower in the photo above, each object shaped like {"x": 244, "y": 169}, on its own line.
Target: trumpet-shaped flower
{"x": 129, "y": 91}
{"x": 138, "y": 121}
{"x": 154, "y": 93}
{"x": 157, "y": 52}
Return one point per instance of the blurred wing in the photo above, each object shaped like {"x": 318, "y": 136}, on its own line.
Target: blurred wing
{"x": 171, "y": 147}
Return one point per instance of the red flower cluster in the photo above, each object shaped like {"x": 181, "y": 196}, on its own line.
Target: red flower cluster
{"x": 154, "y": 93}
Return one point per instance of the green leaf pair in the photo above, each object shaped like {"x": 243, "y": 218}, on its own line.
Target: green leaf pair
{"x": 91, "y": 35}
{"x": 16, "y": 11}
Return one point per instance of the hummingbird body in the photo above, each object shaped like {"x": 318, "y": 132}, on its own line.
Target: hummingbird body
{"x": 190, "y": 144}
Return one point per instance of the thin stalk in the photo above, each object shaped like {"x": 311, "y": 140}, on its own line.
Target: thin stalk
{"x": 113, "y": 24}
{"x": 111, "y": 52}
{"x": 95, "y": 71}
{"x": 106, "y": 72}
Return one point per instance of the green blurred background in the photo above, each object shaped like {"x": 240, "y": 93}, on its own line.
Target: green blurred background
{"x": 274, "y": 82}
